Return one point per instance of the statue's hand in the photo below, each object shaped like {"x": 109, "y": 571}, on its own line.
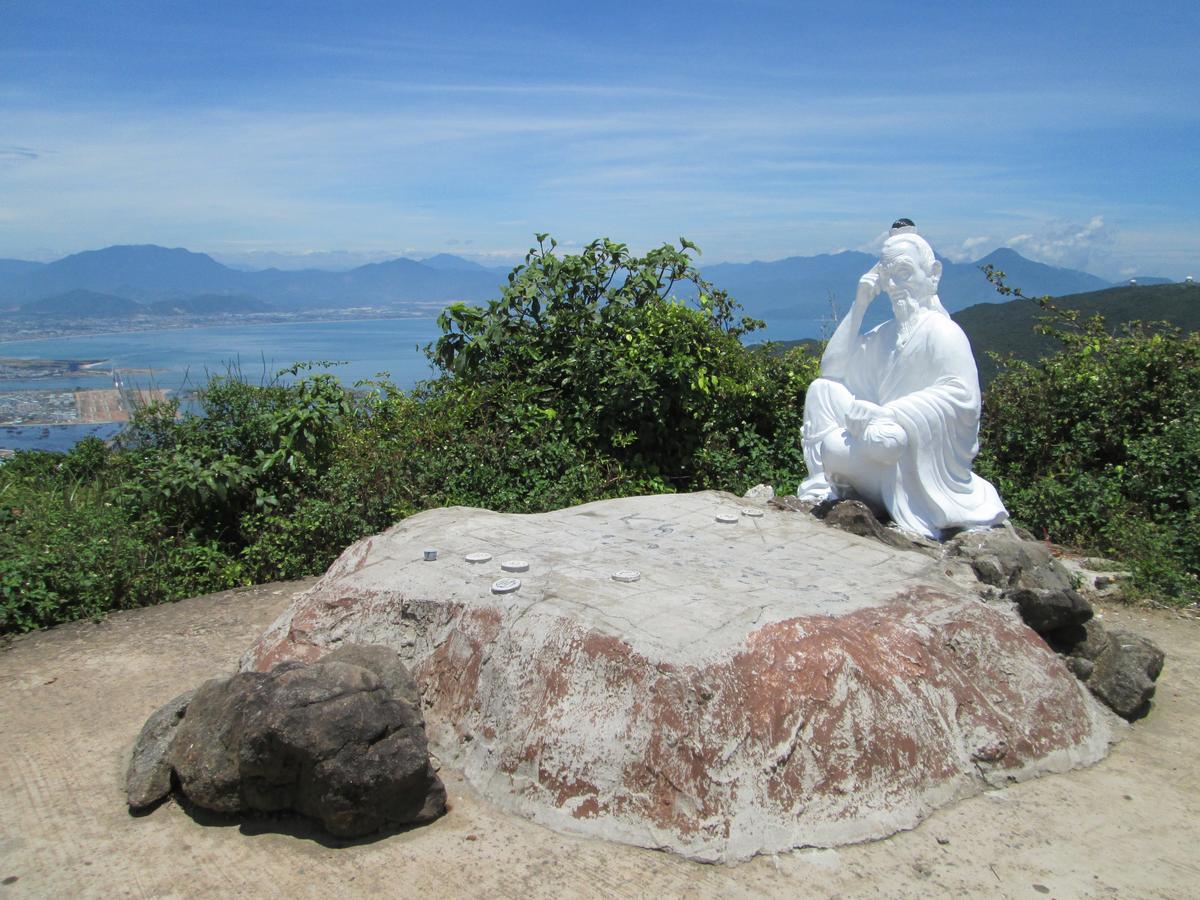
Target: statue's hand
{"x": 868, "y": 288}
{"x": 884, "y": 440}
{"x": 860, "y": 414}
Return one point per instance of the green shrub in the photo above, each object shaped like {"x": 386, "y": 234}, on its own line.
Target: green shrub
{"x": 1098, "y": 446}
{"x": 597, "y": 351}
{"x": 585, "y": 379}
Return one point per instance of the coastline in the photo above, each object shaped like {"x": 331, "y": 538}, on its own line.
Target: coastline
{"x": 225, "y": 322}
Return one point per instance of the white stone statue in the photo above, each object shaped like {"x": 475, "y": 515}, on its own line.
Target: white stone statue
{"x": 893, "y": 419}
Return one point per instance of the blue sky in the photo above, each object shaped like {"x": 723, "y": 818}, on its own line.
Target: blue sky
{"x": 265, "y": 132}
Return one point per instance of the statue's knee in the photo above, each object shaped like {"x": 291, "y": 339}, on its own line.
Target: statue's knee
{"x": 825, "y": 404}
{"x": 826, "y": 389}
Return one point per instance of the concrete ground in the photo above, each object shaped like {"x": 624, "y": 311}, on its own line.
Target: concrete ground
{"x": 74, "y": 698}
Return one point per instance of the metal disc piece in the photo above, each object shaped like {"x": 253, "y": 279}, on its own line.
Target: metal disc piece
{"x": 480, "y": 557}
{"x": 505, "y": 585}
{"x": 752, "y": 512}
{"x": 515, "y": 565}
{"x": 628, "y": 576}
{"x": 727, "y": 519}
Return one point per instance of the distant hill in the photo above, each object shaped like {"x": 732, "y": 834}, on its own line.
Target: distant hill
{"x": 150, "y": 274}
{"x": 803, "y": 287}
{"x": 143, "y": 272}
{"x": 963, "y": 284}
{"x": 17, "y": 267}
{"x": 792, "y": 289}
{"x": 1008, "y": 328}
{"x": 448, "y": 262}
{"x": 83, "y": 304}
{"x": 209, "y": 304}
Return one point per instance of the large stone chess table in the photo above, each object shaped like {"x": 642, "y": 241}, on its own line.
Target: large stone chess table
{"x": 767, "y": 682}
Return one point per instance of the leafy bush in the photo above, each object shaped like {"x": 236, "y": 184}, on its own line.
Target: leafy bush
{"x": 1099, "y": 446}
{"x": 597, "y": 350}
{"x": 585, "y": 379}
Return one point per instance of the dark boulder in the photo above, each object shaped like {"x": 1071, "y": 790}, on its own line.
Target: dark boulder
{"x": 1046, "y": 610}
{"x": 1124, "y": 674}
{"x": 1027, "y": 574}
{"x": 341, "y": 741}
{"x": 1004, "y": 560}
{"x": 858, "y": 518}
{"x": 1084, "y": 641}
{"x": 148, "y": 779}
{"x": 1119, "y": 667}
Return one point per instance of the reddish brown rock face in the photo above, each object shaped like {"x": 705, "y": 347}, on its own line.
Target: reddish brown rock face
{"x": 795, "y": 714}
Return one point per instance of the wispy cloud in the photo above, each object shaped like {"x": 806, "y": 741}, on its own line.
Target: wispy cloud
{"x": 758, "y": 136}
{"x": 1064, "y": 243}
{"x": 16, "y": 156}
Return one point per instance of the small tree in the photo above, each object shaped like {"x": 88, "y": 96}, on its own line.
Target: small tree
{"x": 598, "y": 344}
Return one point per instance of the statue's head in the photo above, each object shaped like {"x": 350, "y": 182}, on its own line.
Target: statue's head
{"x": 910, "y": 272}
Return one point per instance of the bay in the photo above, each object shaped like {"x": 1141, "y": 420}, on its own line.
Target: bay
{"x": 185, "y": 357}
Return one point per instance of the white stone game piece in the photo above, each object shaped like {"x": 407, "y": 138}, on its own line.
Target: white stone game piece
{"x": 506, "y": 585}
{"x": 515, "y": 565}
{"x": 429, "y": 554}
{"x": 727, "y": 518}
{"x": 478, "y": 557}
{"x": 751, "y": 512}
{"x": 627, "y": 576}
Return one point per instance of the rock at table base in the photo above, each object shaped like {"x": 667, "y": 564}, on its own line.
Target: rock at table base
{"x": 763, "y": 686}
{"x": 340, "y": 742}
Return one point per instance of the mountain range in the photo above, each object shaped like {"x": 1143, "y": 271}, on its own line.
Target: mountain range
{"x": 1009, "y": 329}
{"x": 183, "y": 281}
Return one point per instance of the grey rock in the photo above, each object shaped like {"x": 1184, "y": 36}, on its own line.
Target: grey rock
{"x": 858, "y": 518}
{"x": 204, "y": 752}
{"x": 148, "y": 779}
{"x": 1125, "y": 672}
{"x": 385, "y": 663}
{"x": 791, "y": 503}
{"x": 1119, "y": 667}
{"x": 988, "y": 570}
{"x": 341, "y": 741}
{"x": 760, "y": 492}
{"x": 1026, "y": 573}
{"x": 1046, "y": 610}
{"x": 1085, "y": 641}
{"x": 1081, "y": 668}
{"x": 1004, "y": 560}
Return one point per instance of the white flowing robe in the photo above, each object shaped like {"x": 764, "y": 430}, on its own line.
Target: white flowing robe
{"x": 930, "y": 385}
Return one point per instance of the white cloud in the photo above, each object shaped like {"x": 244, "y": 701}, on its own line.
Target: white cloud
{"x": 969, "y": 249}
{"x": 1065, "y": 243}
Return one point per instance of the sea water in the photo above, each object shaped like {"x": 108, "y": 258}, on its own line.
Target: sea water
{"x": 183, "y": 359}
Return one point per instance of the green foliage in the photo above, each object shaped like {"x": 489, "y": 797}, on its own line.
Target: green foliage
{"x": 1099, "y": 446}
{"x": 1011, "y": 329}
{"x": 596, "y": 352}
{"x": 585, "y": 379}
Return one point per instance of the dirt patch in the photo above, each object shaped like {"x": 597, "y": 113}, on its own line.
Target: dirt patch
{"x": 110, "y": 406}
{"x": 72, "y": 700}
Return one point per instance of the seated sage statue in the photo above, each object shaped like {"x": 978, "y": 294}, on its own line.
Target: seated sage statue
{"x": 893, "y": 419}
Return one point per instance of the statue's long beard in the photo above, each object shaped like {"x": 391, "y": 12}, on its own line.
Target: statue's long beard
{"x": 904, "y": 307}
{"x": 907, "y": 313}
